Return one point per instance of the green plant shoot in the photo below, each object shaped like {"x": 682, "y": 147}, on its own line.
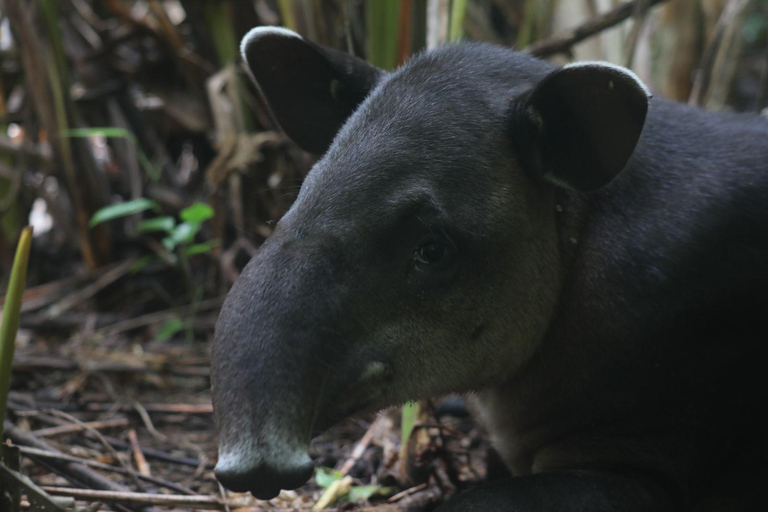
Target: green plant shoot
{"x": 11, "y": 313}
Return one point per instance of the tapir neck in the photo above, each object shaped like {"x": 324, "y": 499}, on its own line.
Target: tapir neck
{"x": 655, "y": 295}
{"x": 571, "y": 215}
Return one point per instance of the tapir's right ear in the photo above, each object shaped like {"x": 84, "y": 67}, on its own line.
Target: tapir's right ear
{"x": 579, "y": 126}
{"x": 312, "y": 90}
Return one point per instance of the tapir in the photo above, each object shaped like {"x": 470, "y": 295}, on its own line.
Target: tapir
{"x": 588, "y": 262}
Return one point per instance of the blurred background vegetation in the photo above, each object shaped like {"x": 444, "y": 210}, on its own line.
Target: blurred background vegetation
{"x": 144, "y": 104}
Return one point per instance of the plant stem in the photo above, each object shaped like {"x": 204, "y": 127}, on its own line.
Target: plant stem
{"x": 11, "y": 313}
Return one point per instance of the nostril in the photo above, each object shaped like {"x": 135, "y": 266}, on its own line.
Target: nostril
{"x": 297, "y": 476}
{"x": 263, "y": 481}
{"x": 232, "y": 478}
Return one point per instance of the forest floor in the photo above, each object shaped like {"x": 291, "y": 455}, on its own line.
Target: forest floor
{"x": 138, "y": 414}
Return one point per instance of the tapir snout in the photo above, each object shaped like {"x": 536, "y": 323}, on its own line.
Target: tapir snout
{"x": 274, "y": 339}
{"x": 282, "y": 372}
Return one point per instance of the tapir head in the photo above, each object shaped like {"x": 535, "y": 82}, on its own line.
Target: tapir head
{"x": 421, "y": 256}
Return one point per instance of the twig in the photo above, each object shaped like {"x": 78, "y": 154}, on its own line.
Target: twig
{"x": 34, "y": 452}
{"x": 160, "y": 408}
{"x": 420, "y": 500}
{"x": 89, "y": 291}
{"x": 71, "y": 429}
{"x": 373, "y": 431}
{"x": 161, "y": 437}
{"x": 562, "y": 43}
{"x": 148, "y": 421}
{"x": 131, "y": 473}
{"x": 223, "y": 494}
{"x": 407, "y": 492}
{"x": 139, "y": 498}
{"x": 159, "y": 454}
{"x": 138, "y": 457}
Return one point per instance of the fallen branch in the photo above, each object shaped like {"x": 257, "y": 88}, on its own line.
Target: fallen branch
{"x": 34, "y": 452}
{"x": 562, "y": 43}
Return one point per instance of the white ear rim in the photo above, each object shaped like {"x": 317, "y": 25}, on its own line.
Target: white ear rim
{"x": 258, "y": 32}
{"x": 614, "y": 67}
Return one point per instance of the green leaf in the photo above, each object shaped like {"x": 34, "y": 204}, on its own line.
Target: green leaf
{"x": 324, "y": 477}
{"x": 108, "y": 131}
{"x": 408, "y": 419}
{"x": 197, "y": 213}
{"x": 183, "y": 233}
{"x": 170, "y": 329}
{"x": 192, "y": 250}
{"x": 363, "y": 492}
{"x": 115, "y": 211}
{"x": 164, "y": 223}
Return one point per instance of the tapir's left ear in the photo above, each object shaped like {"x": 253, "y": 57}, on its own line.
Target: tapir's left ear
{"x": 311, "y": 89}
{"x": 578, "y": 127}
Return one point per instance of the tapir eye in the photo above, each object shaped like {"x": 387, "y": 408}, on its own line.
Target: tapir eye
{"x": 433, "y": 249}
{"x": 434, "y": 261}
{"x": 431, "y": 252}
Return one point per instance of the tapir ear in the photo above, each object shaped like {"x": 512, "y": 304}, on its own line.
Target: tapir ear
{"x": 579, "y": 126}
{"x": 312, "y": 90}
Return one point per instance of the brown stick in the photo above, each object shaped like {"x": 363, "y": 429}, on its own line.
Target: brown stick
{"x": 71, "y": 429}
{"x": 100, "y": 438}
{"x": 375, "y": 430}
{"x": 89, "y": 291}
{"x": 138, "y": 456}
{"x": 159, "y": 408}
{"x": 138, "y": 498}
{"x": 160, "y": 455}
{"x": 562, "y": 43}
